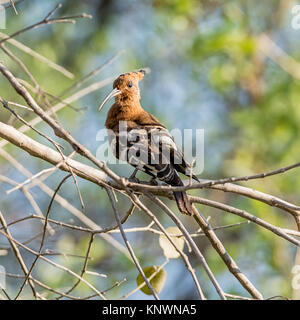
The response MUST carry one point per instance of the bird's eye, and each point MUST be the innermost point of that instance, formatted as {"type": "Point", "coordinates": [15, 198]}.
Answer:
{"type": "Point", "coordinates": [129, 85]}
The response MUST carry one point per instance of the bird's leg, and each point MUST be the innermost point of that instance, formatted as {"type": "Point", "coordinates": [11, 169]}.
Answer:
{"type": "Point", "coordinates": [132, 178]}
{"type": "Point", "coordinates": [133, 173]}
{"type": "Point", "coordinates": [153, 181]}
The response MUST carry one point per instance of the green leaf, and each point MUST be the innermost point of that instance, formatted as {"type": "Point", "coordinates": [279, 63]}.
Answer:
{"type": "Point", "coordinates": [169, 251]}
{"type": "Point", "coordinates": [157, 282]}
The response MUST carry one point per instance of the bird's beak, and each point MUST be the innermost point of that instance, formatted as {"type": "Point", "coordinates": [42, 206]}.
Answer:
{"type": "Point", "coordinates": [113, 93]}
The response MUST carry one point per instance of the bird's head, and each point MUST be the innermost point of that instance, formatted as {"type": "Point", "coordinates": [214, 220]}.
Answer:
{"type": "Point", "coordinates": [126, 87]}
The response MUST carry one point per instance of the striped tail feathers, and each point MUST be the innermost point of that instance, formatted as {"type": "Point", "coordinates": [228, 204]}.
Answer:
{"type": "Point", "coordinates": [183, 203]}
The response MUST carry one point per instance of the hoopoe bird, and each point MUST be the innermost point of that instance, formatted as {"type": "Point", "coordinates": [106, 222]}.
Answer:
{"type": "Point", "coordinates": [139, 138]}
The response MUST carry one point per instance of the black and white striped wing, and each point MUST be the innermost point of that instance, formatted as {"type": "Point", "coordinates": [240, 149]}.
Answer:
{"type": "Point", "coordinates": [150, 149]}
{"type": "Point", "coordinates": [170, 151]}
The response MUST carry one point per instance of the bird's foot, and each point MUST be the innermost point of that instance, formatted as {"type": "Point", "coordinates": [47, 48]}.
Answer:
{"type": "Point", "coordinates": [153, 182]}
{"type": "Point", "coordinates": [133, 179]}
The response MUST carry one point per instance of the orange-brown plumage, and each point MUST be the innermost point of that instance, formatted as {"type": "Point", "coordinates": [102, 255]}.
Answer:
{"type": "Point", "coordinates": [133, 114]}
{"type": "Point", "coordinates": [127, 106]}
{"type": "Point", "coordinates": [127, 109]}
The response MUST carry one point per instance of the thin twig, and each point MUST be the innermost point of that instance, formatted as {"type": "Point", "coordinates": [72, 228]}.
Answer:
{"type": "Point", "coordinates": [16, 252]}
{"type": "Point", "coordinates": [43, 235]}
{"type": "Point", "coordinates": [191, 243]}
{"type": "Point", "coordinates": [133, 256]}
{"type": "Point", "coordinates": [220, 249]}
{"type": "Point", "coordinates": [47, 20]}
{"type": "Point", "coordinates": [246, 215]}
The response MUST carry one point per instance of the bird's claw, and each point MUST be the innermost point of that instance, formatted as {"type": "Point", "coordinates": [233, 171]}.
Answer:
{"type": "Point", "coordinates": [153, 182]}
{"type": "Point", "coordinates": [133, 179]}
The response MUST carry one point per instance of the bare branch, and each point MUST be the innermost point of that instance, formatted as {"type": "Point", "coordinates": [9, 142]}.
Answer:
{"type": "Point", "coordinates": [47, 20]}
{"type": "Point", "coordinates": [133, 256]}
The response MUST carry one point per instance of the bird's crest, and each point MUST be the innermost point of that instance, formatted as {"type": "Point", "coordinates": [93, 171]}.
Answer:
{"type": "Point", "coordinates": [129, 76]}
{"type": "Point", "coordinates": [126, 86]}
